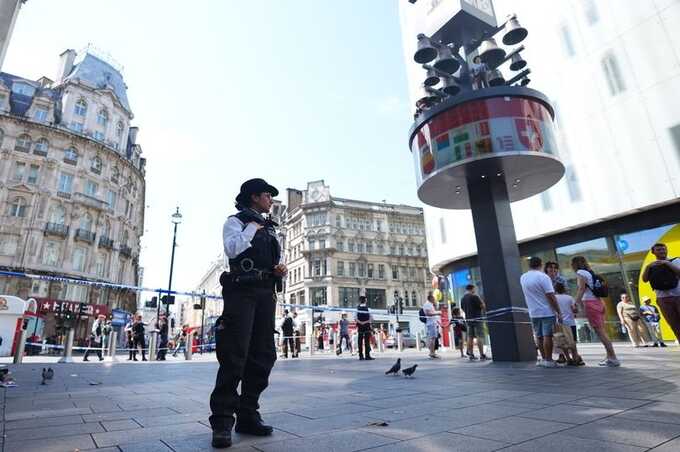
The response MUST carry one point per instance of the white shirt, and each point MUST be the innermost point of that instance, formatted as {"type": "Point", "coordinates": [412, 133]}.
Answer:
{"type": "Point", "coordinates": [535, 285]}
{"type": "Point", "coordinates": [588, 294]}
{"type": "Point", "coordinates": [428, 308]}
{"type": "Point", "coordinates": [673, 292]}
{"type": "Point", "coordinates": [566, 303]}
{"type": "Point", "coordinates": [236, 239]}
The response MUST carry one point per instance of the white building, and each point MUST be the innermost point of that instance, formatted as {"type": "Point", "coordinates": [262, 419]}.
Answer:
{"type": "Point", "coordinates": [612, 71]}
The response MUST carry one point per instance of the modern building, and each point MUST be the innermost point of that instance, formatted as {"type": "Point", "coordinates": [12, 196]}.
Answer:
{"type": "Point", "coordinates": [72, 186]}
{"type": "Point", "coordinates": [337, 249]}
{"type": "Point", "coordinates": [9, 10]}
{"type": "Point", "coordinates": [611, 70]}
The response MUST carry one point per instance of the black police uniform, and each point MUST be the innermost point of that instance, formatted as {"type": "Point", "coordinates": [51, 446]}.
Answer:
{"type": "Point", "coordinates": [364, 345]}
{"type": "Point", "coordinates": [245, 331]}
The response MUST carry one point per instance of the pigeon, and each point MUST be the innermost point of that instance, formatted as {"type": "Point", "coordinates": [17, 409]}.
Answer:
{"type": "Point", "coordinates": [409, 371]}
{"type": "Point", "coordinates": [47, 374]}
{"type": "Point", "coordinates": [395, 369]}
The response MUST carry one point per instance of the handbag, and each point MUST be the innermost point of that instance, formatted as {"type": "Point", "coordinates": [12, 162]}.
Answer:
{"type": "Point", "coordinates": [563, 338]}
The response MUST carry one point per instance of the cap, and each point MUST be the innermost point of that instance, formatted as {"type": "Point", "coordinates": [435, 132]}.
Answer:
{"type": "Point", "coordinates": [643, 299]}
{"type": "Point", "coordinates": [253, 187]}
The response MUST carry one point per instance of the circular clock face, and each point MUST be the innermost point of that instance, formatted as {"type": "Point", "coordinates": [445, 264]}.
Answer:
{"type": "Point", "coordinates": [316, 194]}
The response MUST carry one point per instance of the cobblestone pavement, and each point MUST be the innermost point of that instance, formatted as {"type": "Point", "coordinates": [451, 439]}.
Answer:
{"type": "Point", "coordinates": [343, 404]}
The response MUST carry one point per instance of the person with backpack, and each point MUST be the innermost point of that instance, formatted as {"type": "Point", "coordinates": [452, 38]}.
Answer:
{"type": "Point", "coordinates": [663, 275]}
{"type": "Point", "coordinates": [651, 316]}
{"type": "Point", "coordinates": [96, 338]}
{"type": "Point", "coordinates": [591, 288]}
{"type": "Point", "coordinates": [473, 307]}
{"type": "Point", "coordinates": [287, 328]}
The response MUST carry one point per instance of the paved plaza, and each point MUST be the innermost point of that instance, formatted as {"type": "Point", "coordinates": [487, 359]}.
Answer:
{"type": "Point", "coordinates": [323, 403]}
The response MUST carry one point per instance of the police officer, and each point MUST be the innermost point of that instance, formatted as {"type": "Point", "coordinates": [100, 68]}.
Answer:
{"type": "Point", "coordinates": [364, 327]}
{"type": "Point", "coordinates": [245, 331]}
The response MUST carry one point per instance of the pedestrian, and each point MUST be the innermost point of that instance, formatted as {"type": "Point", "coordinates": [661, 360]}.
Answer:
{"type": "Point", "coordinates": [568, 309]}
{"type": "Point", "coordinates": [364, 328]}
{"type": "Point", "coordinates": [593, 306]}
{"type": "Point", "coordinates": [287, 329]}
{"type": "Point", "coordinates": [138, 336]}
{"type": "Point", "coordinates": [319, 336]}
{"type": "Point", "coordinates": [181, 339]}
{"type": "Point", "coordinates": [458, 322]}
{"type": "Point", "coordinates": [343, 328]}
{"type": "Point", "coordinates": [245, 331]}
{"type": "Point", "coordinates": [552, 269]}
{"type": "Point", "coordinates": [162, 327]}
{"type": "Point", "coordinates": [473, 307]}
{"type": "Point", "coordinates": [431, 325]}
{"type": "Point", "coordinates": [96, 337]}
{"type": "Point", "coordinates": [663, 274]}
{"type": "Point", "coordinates": [132, 352]}
{"type": "Point", "coordinates": [296, 334]}
{"type": "Point", "coordinates": [651, 316]}
{"type": "Point", "coordinates": [630, 318]}
{"type": "Point", "coordinates": [544, 310]}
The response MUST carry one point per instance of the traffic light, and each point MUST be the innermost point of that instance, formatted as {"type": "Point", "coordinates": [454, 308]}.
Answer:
{"type": "Point", "coordinates": [82, 310]}
{"type": "Point", "coordinates": [151, 304]}
{"type": "Point", "coordinates": [172, 323]}
{"type": "Point", "coordinates": [168, 299]}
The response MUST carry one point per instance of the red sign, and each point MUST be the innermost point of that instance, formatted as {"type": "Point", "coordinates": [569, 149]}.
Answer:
{"type": "Point", "coordinates": [91, 310]}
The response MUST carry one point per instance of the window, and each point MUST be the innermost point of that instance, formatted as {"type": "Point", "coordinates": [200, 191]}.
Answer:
{"type": "Point", "coordinates": [99, 136]}
{"type": "Point", "coordinates": [86, 222]}
{"type": "Point", "coordinates": [23, 89]}
{"type": "Point", "coordinates": [612, 73]}
{"type": "Point", "coordinates": [77, 126]}
{"type": "Point", "coordinates": [362, 269]}
{"type": "Point", "coordinates": [350, 245]}
{"type": "Point", "coordinates": [111, 198]}
{"type": "Point", "coordinates": [406, 301]}
{"type": "Point", "coordinates": [51, 253]}
{"type": "Point", "coordinates": [340, 245]}
{"type": "Point", "coordinates": [361, 246]}
{"type": "Point", "coordinates": [100, 265]}
{"type": "Point", "coordinates": [58, 215]}
{"type": "Point", "coordinates": [71, 155]}
{"type": "Point", "coordinates": [412, 273]}
{"type": "Point", "coordinates": [40, 114]}
{"type": "Point", "coordinates": [80, 108]}
{"type": "Point", "coordinates": [19, 171]}
{"type": "Point", "coordinates": [369, 248]}
{"type": "Point", "coordinates": [96, 164]}
{"type": "Point", "coordinates": [115, 174]}
{"type": "Point", "coordinates": [352, 269]}
{"type": "Point", "coordinates": [590, 11]}
{"type": "Point", "coordinates": [322, 244]}
{"type": "Point", "coordinates": [393, 250]}
{"type": "Point", "coordinates": [442, 229]}
{"type": "Point", "coordinates": [317, 267]}
{"type": "Point", "coordinates": [103, 117]}
{"type": "Point", "coordinates": [395, 273]}
{"type": "Point", "coordinates": [414, 299]}
{"type": "Point", "coordinates": [65, 183]}
{"type": "Point", "coordinates": [312, 245]}
{"type": "Point", "coordinates": [79, 258]}
{"type": "Point", "coordinates": [381, 249]}
{"type": "Point", "coordinates": [338, 221]}
{"type": "Point", "coordinates": [370, 271]}
{"type": "Point", "coordinates": [33, 173]}
{"type": "Point", "coordinates": [567, 43]}
{"type": "Point", "coordinates": [341, 268]}
{"type": "Point", "coordinates": [401, 250]}
{"type": "Point", "coordinates": [404, 273]}
{"type": "Point", "coordinates": [17, 208]}
{"type": "Point", "coordinates": [106, 229]}
{"type": "Point", "coordinates": [381, 271]}
{"type": "Point", "coordinates": [317, 295]}
{"type": "Point", "coordinates": [349, 296]}
{"type": "Point", "coordinates": [41, 146]}
{"type": "Point", "coordinates": [8, 244]}
{"type": "Point", "coordinates": [376, 298]}
{"type": "Point", "coordinates": [23, 143]}
{"type": "Point", "coordinates": [379, 226]}
{"type": "Point", "coordinates": [119, 130]}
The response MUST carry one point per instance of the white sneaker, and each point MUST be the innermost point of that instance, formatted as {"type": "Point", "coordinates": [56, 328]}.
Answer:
{"type": "Point", "coordinates": [609, 363]}
{"type": "Point", "coordinates": [549, 364]}
{"type": "Point", "coordinates": [539, 363]}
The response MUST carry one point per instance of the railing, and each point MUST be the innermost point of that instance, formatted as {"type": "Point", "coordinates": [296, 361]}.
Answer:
{"type": "Point", "coordinates": [56, 229]}
{"type": "Point", "coordinates": [90, 201]}
{"type": "Point", "coordinates": [84, 235]}
{"type": "Point", "coordinates": [125, 251]}
{"type": "Point", "coordinates": [105, 242]}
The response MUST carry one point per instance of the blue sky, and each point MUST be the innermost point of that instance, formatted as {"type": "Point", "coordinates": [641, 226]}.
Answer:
{"type": "Point", "coordinates": [225, 90]}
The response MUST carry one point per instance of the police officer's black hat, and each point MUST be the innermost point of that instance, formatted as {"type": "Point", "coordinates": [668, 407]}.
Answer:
{"type": "Point", "coordinates": [254, 187]}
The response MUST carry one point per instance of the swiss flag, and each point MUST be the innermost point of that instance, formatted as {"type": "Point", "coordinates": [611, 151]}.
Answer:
{"type": "Point", "coordinates": [529, 133]}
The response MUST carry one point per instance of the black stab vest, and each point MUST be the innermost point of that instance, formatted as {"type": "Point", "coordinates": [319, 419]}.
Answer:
{"type": "Point", "coordinates": [264, 251]}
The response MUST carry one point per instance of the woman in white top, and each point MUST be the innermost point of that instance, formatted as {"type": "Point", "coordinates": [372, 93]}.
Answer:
{"type": "Point", "coordinates": [593, 306]}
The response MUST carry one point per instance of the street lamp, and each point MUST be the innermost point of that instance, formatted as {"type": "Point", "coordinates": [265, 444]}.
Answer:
{"type": "Point", "coordinates": [176, 219]}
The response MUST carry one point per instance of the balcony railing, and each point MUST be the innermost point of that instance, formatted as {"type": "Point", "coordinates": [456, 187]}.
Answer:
{"type": "Point", "coordinates": [90, 201]}
{"type": "Point", "coordinates": [56, 229]}
{"type": "Point", "coordinates": [84, 235]}
{"type": "Point", "coordinates": [126, 251]}
{"type": "Point", "coordinates": [105, 242]}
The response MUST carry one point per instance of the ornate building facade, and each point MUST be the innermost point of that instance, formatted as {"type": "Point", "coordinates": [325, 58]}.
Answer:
{"type": "Point", "coordinates": [72, 184]}
{"type": "Point", "coordinates": [337, 249]}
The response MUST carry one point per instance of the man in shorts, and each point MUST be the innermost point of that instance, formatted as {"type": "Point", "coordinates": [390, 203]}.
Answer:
{"type": "Point", "coordinates": [474, 309]}
{"type": "Point", "coordinates": [431, 325]}
{"type": "Point", "coordinates": [668, 299]}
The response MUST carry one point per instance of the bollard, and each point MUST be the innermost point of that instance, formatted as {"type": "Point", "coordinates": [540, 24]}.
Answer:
{"type": "Point", "coordinates": [452, 342]}
{"type": "Point", "coordinates": [111, 356]}
{"type": "Point", "coordinates": [418, 347]}
{"type": "Point", "coordinates": [400, 345]}
{"type": "Point", "coordinates": [309, 336]}
{"type": "Point", "coordinates": [379, 341]}
{"type": "Point", "coordinates": [21, 346]}
{"type": "Point", "coordinates": [68, 349]}
{"type": "Point", "coordinates": [153, 345]}
{"type": "Point", "coordinates": [188, 347]}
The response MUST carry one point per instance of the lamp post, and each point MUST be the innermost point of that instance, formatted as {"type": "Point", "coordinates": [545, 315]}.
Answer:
{"type": "Point", "coordinates": [176, 219]}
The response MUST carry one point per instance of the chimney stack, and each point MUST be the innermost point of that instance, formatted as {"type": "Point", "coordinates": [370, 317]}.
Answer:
{"type": "Point", "coordinates": [66, 60]}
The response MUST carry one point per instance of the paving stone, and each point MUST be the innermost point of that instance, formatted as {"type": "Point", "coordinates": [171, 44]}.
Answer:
{"type": "Point", "coordinates": [148, 434]}
{"type": "Point", "coordinates": [565, 443]}
{"type": "Point", "coordinates": [609, 402]}
{"type": "Point", "coordinates": [44, 422]}
{"type": "Point", "coordinates": [120, 415]}
{"type": "Point", "coordinates": [670, 446]}
{"type": "Point", "coordinates": [152, 420]}
{"type": "Point", "coordinates": [63, 444]}
{"type": "Point", "coordinates": [145, 446]}
{"type": "Point", "coordinates": [125, 424]}
{"type": "Point", "coordinates": [442, 442]}
{"type": "Point", "coordinates": [656, 411]}
{"type": "Point", "coordinates": [628, 431]}
{"type": "Point", "coordinates": [348, 440]}
{"type": "Point", "coordinates": [512, 429]}
{"type": "Point", "coordinates": [50, 413]}
{"type": "Point", "coordinates": [39, 432]}
{"type": "Point", "coordinates": [573, 414]}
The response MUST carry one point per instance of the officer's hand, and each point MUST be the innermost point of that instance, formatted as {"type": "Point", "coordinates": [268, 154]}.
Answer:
{"type": "Point", "coordinates": [280, 270]}
{"type": "Point", "coordinates": [258, 226]}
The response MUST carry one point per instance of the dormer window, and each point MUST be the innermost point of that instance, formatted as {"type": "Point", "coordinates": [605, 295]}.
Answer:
{"type": "Point", "coordinates": [41, 114]}
{"type": "Point", "coordinates": [23, 89]}
{"type": "Point", "coordinates": [103, 117]}
{"type": "Point", "coordinates": [80, 108]}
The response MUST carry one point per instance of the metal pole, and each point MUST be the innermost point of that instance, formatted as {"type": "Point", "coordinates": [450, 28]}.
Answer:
{"type": "Point", "coordinates": [172, 264]}
{"type": "Point", "coordinates": [399, 344]}
{"type": "Point", "coordinates": [153, 345]}
{"type": "Point", "coordinates": [201, 342]}
{"type": "Point", "coordinates": [113, 338]}
{"type": "Point", "coordinates": [418, 341]}
{"type": "Point", "coordinates": [188, 346]}
{"type": "Point", "coordinates": [21, 346]}
{"type": "Point", "coordinates": [68, 348]}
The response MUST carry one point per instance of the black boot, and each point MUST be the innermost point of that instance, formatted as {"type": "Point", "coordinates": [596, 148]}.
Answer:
{"type": "Point", "coordinates": [252, 424]}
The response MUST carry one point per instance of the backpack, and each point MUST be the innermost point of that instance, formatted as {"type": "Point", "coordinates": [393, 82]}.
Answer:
{"type": "Point", "coordinates": [422, 316]}
{"type": "Point", "coordinates": [600, 287]}
{"type": "Point", "coordinates": [662, 278]}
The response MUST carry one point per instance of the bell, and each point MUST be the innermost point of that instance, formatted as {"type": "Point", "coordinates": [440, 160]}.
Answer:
{"type": "Point", "coordinates": [426, 99]}
{"type": "Point", "coordinates": [445, 61]}
{"type": "Point", "coordinates": [517, 62]}
{"type": "Point", "coordinates": [431, 78]}
{"type": "Point", "coordinates": [450, 86]}
{"type": "Point", "coordinates": [490, 53]}
{"type": "Point", "coordinates": [525, 81]}
{"type": "Point", "coordinates": [495, 78]}
{"type": "Point", "coordinates": [426, 52]}
{"type": "Point", "coordinates": [515, 34]}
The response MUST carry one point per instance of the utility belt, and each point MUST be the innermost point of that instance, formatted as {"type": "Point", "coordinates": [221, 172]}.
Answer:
{"type": "Point", "coordinates": [251, 279]}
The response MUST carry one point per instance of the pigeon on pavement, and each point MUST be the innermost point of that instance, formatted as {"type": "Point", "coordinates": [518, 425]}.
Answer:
{"type": "Point", "coordinates": [47, 374]}
{"type": "Point", "coordinates": [409, 371]}
{"type": "Point", "coordinates": [395, 369]}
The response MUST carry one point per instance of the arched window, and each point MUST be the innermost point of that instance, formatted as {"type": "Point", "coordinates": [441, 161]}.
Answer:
{"type": "Point", "coordinates": [80, 108]}
{"type": "Point", "coordinates": [103, 117]}
{"type": "Point", "coordinates": [86, 222]}
{"type": "Point", "coordinates": [120, 127]}
{"type": "Point", "coordinates": [125, 238]}
{"type": "Point", "coordinates": [96, 164]}
{"type": "Point", "coordinates": [71, 155]}
{"type": "Point", "coordinates": [406, 298]}
{"type": "Point", "coordinates": [115, 174]}
{"type": "Point", "coordinates": [17, 208]}
{"type": "Point", "coordinates": [41, 146]}
{"type": "Point", "coordinates": [23, 143]}
{"type": "Point", "coordinates": [414, 299]}
{"type": "Point", "coordinates": [58, 215]}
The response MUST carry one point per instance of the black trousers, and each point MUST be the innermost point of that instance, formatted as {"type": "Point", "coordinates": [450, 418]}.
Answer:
{"type": "Point", "coordinates": [246, 353]}
{"type": "Point", "coordinates": [348, 342]}
{"type": "Point", "coordinates": [140, 342]}
{"type": "Point", "coordinates": [162, 348]}
{"type": "Point", "coordinates": [289, 342]}
{"type": "Point", "coordinates": [365, 340]}
{"type": "Point", "coordinates": [97, 348]}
